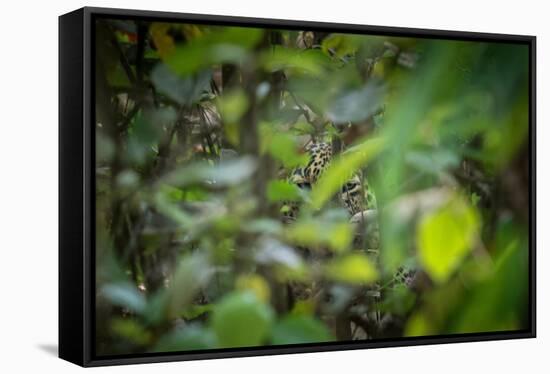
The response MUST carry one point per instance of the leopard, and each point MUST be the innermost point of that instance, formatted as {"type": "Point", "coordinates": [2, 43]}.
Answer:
{"type": "Point", "coordinates": [355, 194]}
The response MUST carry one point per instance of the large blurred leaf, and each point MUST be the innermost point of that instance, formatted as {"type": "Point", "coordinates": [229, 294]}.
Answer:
{"type": "Point", "coordinates": [433, 161]}
{"type": "Point", "coordinates": [256, 284]}
{"type": "Point", "coordinates": [337, 235]}
{"type": "Point", "coordinates": [225, 173]}
{"type": "Point", "coordinates": [131, 330]}
{"type": "Point", "coordinates": [273, 252]}
{"type": "Point", "coordinates": [357, 105]}
{"type": "Point", "coordinates": [184, 91]}
{"type": "Point", "coordinates": [232, 105]}
{"type": "Point", "coordinates": [284, 148]}
{"type": "Point", "coordinates": [192, 273]}
{"type": "Point", "coordinates": [279, 190]}
{"type": "Point", "coordinates": [309, 61]}
{"type": "Point", "coordinates": [241, 320]}
{"type": "Point", "coordinates": [124, 295]}
{"type": "Point", "coordinates": [228, 44]}
{"type": "Point", "coordinates": [298, 329]}
{"type": "Point", "coordinates": [341, 45]}
{"type": "Point", "coordinates": [499, 302]}
{"type": "Point", "coordinates": [353, 268]}
{"type": "Point", "coordinates": [190, 337]}
{"type": "Point", "coordinates": [444, 238]}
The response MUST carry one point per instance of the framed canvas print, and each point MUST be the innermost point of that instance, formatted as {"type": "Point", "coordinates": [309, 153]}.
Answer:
{"type": "Point", "coordinates": [237, 186]}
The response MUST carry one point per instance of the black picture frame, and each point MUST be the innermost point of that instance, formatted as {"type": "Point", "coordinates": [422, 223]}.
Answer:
{"type": "Point", "coordinates": [76, 186]}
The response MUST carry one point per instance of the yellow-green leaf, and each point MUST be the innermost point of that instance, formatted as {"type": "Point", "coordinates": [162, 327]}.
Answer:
{"type": "Point", "coordinates": [444, 238]}
{"type": "Point", "coordinates": [255, 284]}
{"type": "Point", "coordinates": [337, 236]}
{"type": "Point", "coordinates": [241, 320]}
{"type": "Point", "coordinates": [353, 268]}
{"type": "Point", "coordinates": [232, 105]}
{"type": "Point", "coordinates": [279, 190]}
{"type": "Point", "coordinates": [284, 148]}
{"type": "Point", "coordinates": [418, 325]}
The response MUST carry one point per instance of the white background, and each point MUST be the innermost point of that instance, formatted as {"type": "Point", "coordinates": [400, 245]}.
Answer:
{"type": "Point", "coordinates": [28, 184]}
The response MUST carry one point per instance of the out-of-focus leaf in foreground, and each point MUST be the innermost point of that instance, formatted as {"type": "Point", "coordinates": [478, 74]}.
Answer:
{"type": "Point", "coordinates": [353, 268]}
{"type": "Point", "coordinates": [357, 105]}
{"type": "Point", "coordinates": [184, 91]}
{"type": "Point", "coordinates": [225, 173]}
{"type": "Point", "coordinates": [444, 237]}
{"type": "Point", "coordinates": [300, 329]}
{"type": "Point", "coordinates": [241, 320]}
{"type": "Point", "coordinates": [125, 295]}
{"type": "Point", "coordinates": [186, 338]}
{"type": "Point", "coordinates": [229, 44]}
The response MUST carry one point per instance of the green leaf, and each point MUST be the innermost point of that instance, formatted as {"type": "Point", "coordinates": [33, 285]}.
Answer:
{"type": "Point", "coordinates": [241, 320]}
{"type": "Point", "coordinates": [357, 105]}
{"type": "Point", "coordinates": [225, 45]}
{"type": "Point", "coordinates": [192, 273]}
{"type": "Point", "coordinates": [341, 169]}
{"type": "Point", "coordinates": [444, 238]}
{"type": "Point", "coordinates": [283, 147]}
{"type": "Point", "coordinates": [232, 105]}
{"type": "Point", "coordinates": [125, 295]}
{"type": "Point", "coordinates": [298, 329]}
{"type": "Point", "coordinates": [432, 161]}
{"type": "Point", "coordinates": [184, 91]}
{"type": "Point", "coordinates": [317, 233]}
{"type": "Point", "coordinates": [354, 268]}
{"type": "Point", "coordinates": [279, 190]}
{"type": "Point", "coordinates": [308, 61]}
{"type": "Point", "coordinates": [193, 311]}
{"type": "Point", "coordinates": [341, 45]}
{"type": "Point", "coordinates": [418, 325]}
{"type": "Point", "coordinates": [189, 337]}
{"type": "Point", "coordinates": [227, 173]}
{"type": "Point", "coordinates": [131, 330]}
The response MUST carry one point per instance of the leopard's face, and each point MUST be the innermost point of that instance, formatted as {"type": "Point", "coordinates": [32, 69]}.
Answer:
{"type": "Point", "coordinates": [352, 195]}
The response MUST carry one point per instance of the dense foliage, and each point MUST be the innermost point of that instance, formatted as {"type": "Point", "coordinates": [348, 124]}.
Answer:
{"type": "Point", "coordinates": [198, 130]}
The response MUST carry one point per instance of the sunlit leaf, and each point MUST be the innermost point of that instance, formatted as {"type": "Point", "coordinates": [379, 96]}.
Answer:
{"type": "Point", "coordinates": [232, 105]}
{"type": "Point", "coordinates": [354, 268]}
{"type": "Point", "coordinates": [284, 148]}
{"type": "Point", "coordinates": [241, 320]}
{"type": "Point", "coordinates": [318, 233]}
{"type": "Point", "coordinates": [444, 238]}
{"type": "Point", "coordinates": [418, 325]}
{"type": "Point", "coordinates": [256, 284]}
{"type": "Point", "coordinates": [279, 190]}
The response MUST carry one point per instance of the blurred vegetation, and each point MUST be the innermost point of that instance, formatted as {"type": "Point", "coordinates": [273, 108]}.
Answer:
{"type": "Point", "coordinates": [197, 131]}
